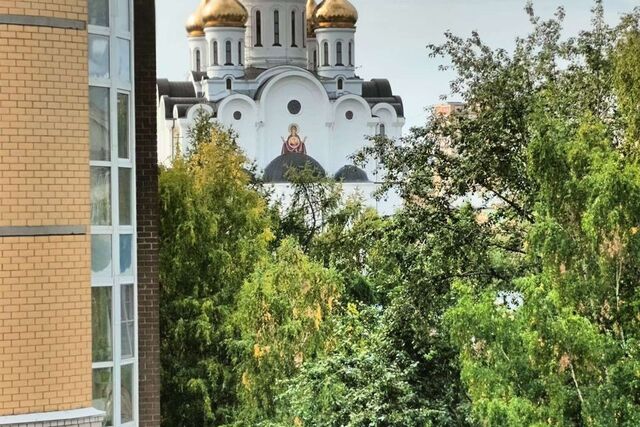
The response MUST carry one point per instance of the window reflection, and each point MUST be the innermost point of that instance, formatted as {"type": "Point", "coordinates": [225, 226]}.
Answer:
{"type": "Point", "coordinates": [101, 321]}
{"type": "Point", "coordinates": [99, 12]}
{"type": "Point", "coordinates": [124, 60]}
{"type": "Point", "coordinates": [101, 255]}
{"type": "Point", "coordinates": [98, 56]}
{"type": "Point", "coordinates": [100, 195]}
{"type": "Point", "coordinates": [126, 254]}
{"type": "Point", "coordinates": [99, 123]}
{"type": "Point", "coordinates": [127, 329]}
{"type": "Point", "coordinates": [103, 393]}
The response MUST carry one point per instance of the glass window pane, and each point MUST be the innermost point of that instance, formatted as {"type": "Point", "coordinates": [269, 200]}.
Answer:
{"type": "Point", "coordinates": [127, 329]}
{"type": "Point", "coordinates": [100, 195]}
{"type": "Point", "coordinates": [101, 255]}
{"type": "Point", "coordinates": [101, 317]}
{"type": "Point", "coordinates": [124, 179]}
{"type": "Point", "coordinates": [126, 254]}
{"type": "Point", "coordinates": [98, 56]}
{"type": "Point", "coordinates": [123, 15]}
{"type": "Point", "coordinates": [123, 125]}
{"type": "Point", "coordinates": [99, 12]}
{"type": "Point", "coordinates": [99, 123]}
{"type": "Point", "coordinates": [124, 60]}
{"type": "Point", "coordinates": [126, 399]}
{"type": "Point", "coordinates": [103, 393]}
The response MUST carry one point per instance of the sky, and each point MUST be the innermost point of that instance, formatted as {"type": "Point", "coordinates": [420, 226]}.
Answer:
{"type": "Point", "coordinates": [392, 36]}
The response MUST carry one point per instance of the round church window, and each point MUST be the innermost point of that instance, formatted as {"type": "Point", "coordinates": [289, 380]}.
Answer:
{"type": "Point", "coordinates": [349, 115]}
{"type": "Point", "coordinates": [237, 115]}
{"type": "Point", "coordinates": [294, 107]}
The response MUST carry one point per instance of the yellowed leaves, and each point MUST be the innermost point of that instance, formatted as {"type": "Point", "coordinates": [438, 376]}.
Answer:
{"type": "Point", "coordinates": [564, 363]}
{"type": "Point", "coordinates": [246, 381]}
{"type": "Point", "coordinates": [260, 351]}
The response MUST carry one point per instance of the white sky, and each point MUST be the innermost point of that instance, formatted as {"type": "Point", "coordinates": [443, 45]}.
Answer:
{"type": "Point", "coordinates": [392, 36]}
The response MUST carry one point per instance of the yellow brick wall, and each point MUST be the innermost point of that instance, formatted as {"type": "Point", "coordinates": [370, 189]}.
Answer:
{"type": "Point", "coordinates": [44, 126]}
{"type": "Point", "coordinates": [45, 294]}
{"type": "Point", "coordinates": [67, 9]}
{"type": "Point", "coordinates": [45, 330]}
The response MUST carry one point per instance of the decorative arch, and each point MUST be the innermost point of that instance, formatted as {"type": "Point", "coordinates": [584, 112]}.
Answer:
{"type": "Point", "coordinates": [238, 97]}
{"type": "Point", "coordinates": [193, 112]}
{"type": "Point", "coordinates": [350, 98]}
{"type": "Point", "coordinates": [387, 108]}
{"type": "Point", "coordinates": [269, 83]}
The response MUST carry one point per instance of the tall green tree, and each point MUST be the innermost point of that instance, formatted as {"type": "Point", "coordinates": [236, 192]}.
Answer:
{"type": "Point", "coordinates": [214, 229]}
{"type": "Point", "coordinates": [472, 201]}
{"type": "Point", "coordinates": [284, 317]}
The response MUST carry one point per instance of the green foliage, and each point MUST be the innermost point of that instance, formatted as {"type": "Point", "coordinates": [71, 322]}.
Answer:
{"type": "Point", "coordinates": [569, 354]}
{"type": "Point", "coordinates": [627, 83]}
{"type": "Point", "coordinates": [214, 228]}
{"type": "Point", "coordinates": [363, 380]}
{"type": "Point", "coordinates": [484, 192]}
{"type": "Point", "coordinates": [504, 293]}
{"type": "Point", "coordinates": [284, 315]}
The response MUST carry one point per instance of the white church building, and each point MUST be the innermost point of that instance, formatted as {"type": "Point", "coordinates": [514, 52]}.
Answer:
{"type": "Point", "coordinates": [282, 74]}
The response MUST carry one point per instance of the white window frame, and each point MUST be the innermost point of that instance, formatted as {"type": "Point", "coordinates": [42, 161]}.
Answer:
{"type": "Point", "coordinates": [116, 281]}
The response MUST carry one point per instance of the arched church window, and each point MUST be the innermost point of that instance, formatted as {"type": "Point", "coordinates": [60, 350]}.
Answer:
{"type": "Point", "coordinates": [350, 54]}
{"type": "Point", "coordinates": [229, 84]}
{"type": "Point", "coordinates": [215, 53]}
{"type": "Point", "coordinates": [227, 53]}
{"type": "Point", "coordinates": [258, 29]}
{"type": "Point", "coordinates": [240, 59]}
{"type": "Point", "coordinates": [339, 54]}
{"type": "Point", "coordinates": [382, 130]}
{"type": "Point", "coordinates": [198, 60]}
{"type": "Point", "coordinates": [293, 29]}
{"type": "Point", "coordinates": [325, 60]}
{"type": "Point", "coordinates": [340, 84]}
{"type": "Point", "coordinates": [276, 28]}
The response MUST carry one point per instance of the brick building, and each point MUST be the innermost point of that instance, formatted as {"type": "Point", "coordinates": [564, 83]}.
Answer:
{"type": "Point", "coordinates": [78, 214]}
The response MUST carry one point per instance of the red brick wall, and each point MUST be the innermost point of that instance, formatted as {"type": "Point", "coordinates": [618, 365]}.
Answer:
{"type": "Point", "coordinates": [148, 208]}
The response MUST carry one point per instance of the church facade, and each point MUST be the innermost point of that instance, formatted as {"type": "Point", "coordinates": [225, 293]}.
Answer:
{"type": "Point", "coordinates": [282, 75]}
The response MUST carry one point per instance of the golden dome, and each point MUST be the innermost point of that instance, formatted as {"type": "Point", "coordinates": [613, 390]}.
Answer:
{"type": "Point", "coordinates": [311, 18]}
{"type": "Point", "coordinates": [336, 14]}
{"type": "Point", "coordinates": [224, 13]}
{"type": "Point", "coordinates": [195, 24]}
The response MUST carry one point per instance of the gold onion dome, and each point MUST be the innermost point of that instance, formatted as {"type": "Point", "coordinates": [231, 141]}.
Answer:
{"type": "Point", "coordinates": [195, 23]}
{"type": "Point", "coordinates": [224, 13]}
{"type": "Point", "coordinates": [336, 14]}
{"type": "Point", "coordinates": [311, 18]}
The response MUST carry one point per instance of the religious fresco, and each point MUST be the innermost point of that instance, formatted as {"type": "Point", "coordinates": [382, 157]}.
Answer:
{"type": "Point", "coordinates": [294, 143]}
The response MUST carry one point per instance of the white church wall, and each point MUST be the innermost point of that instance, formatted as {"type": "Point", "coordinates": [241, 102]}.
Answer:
{"type": "Point", "coordinates": [222, 66]}
{"type": "Point", "coordinates": [276, 119]}
{"type": "Point", "coordinates": [269, 55]}
{"type": "Point", "coordinates": [332, 36]}
{"type": "Point", "coordinates": [198, 44]}
{"type": "Point", "coordinates": [240, 113]}
{"type": "Point", "coordinates": [350, 135]}
{"type": "Point", "coordinates": [388, 204]}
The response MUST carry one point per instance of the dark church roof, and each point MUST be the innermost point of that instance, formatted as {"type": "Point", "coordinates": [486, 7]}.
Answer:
{"type": "Point", "coordinates": [280, 166]}
{"type": "Point", "coordinates": [378, 91]}
{"type": "Point", "coordinates": [175, 89]}
{"type": "Point", "coordinates": [350, 173]}
{"type": "Point", "coordinates": [172, 93]}
{"type": "Point", "coordinates": [183, 105]}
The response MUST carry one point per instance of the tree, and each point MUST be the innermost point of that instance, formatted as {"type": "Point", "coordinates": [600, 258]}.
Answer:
{"type": "Point", "coordinates": [570, 354]}
{"type": "Point", "coordinates": [465, 238]}
{"type": "Point", "coordinates": [283, 318]}
{"type": "Point", "coordinates": [362, 380]}
{"type": "Point", "coordinates": [214, 228]}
